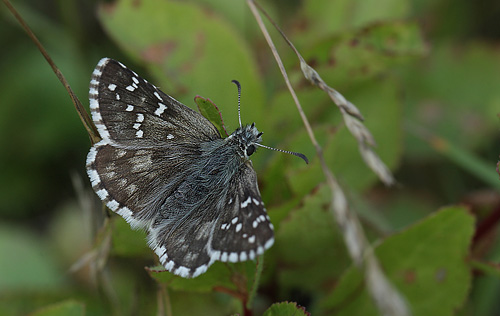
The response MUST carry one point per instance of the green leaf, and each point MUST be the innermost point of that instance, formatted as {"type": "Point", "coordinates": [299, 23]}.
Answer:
{"type": "Point", "coordinates": [455, 96]}
{"type": "Point", "coordinates": [212, 113]}
{"type": "Point", "coordinates": [427, 263]}
{"type": "Point", "coordinates": [310, 251]}
{"type": "Point", "coordinates": [218, 275]}
{"type": "Point", "coordinates": [363, 54]}
{"type": "Point", "coordinates": [66, 308]}
{"type": "Point", "coordinates": [286, 309]}
{"type": "Point", "coordinates": [28, 263]}
{"type": "Point", "coordinates": [330, 17]}
{"type": "Point", "coordinates": [128, 242]}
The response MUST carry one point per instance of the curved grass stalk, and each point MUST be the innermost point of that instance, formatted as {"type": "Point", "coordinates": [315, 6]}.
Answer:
{"type": "Point", "coordinates": [388, 300]}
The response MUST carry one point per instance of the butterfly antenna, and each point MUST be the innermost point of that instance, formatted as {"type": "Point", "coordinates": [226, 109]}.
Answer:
{"type": "Point", "coordinates": [286, 152]}
{"type": "Point", "coordinates": [276, 149]}
{"type": "Point", "coordinates": [239, 98]}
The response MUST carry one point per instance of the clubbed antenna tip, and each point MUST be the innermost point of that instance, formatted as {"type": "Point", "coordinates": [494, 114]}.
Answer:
{"type": "Point", "coordinates": [286, 152]}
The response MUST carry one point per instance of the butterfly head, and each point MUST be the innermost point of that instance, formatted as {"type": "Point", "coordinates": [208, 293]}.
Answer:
{"type": "Point", "coordinates": [247, 138]}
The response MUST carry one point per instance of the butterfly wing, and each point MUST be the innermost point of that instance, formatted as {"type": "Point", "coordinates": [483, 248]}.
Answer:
{"type": "Point", "coordinates": [236, 229]}
{"type": "Point", "coordinates": [144, 146]}
{"type": "Point", "coordinates": [129, 111]}
{"type": "Point", "coordinates": [165, 168]}
{"type": "Point", "coordinates": [244, 231]}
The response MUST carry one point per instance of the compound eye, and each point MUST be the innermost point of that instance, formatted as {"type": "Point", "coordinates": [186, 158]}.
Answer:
{"type": "Point", "coordinates": [250, 150]}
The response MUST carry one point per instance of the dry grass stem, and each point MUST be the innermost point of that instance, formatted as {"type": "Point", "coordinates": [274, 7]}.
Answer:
{"type": "Point", "coordinates": [388, 300]}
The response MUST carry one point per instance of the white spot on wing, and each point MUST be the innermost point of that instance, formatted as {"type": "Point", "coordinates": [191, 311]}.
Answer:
{"type": "Point", "coordinates": [120, 153]}
{"type": "Point", "coordinates": [112, 87]}
{"type": "Point", "coordinates": [246, 202]}
{"type": "Point", "coordinates": [269, 243]}
{"type": "Point", "coordinates": [182, 271]}
{"type": "Point", "coordinates": [158, 96]}
{"type": "Point", "coordinates": [139, 134]}
{"type": "Point", "coordinates": [113, 205]}
{"type": "Point", "coordinates": [124, 212]}
{"type": "Point", "coordinates": [233, 257]}
{"type": "Point", "coordinates": [160, 251]}
{"type": "Point", "coordinates": [169, 266]}
{"type": "Point", "coordinates": [129, 108]}
{"type": "Point", "coordinates": [162, 107]}
{"type": "Point", "coordinates": [103, 194]}
{"type": "Point", "coordinates": [94, 177]}
{"type": "Point", "coordinates": [96, 117]}
{"type": "Point", "coordinates": [200, 270]}
{"type": "Point", "coordinates": [238, 227]}
{"type": "Point", "coordinates": [91, 155]}
{"type": "Point", "coordinates": [102, 62]}
{"type": "Point", "coordinates": [215, 256]}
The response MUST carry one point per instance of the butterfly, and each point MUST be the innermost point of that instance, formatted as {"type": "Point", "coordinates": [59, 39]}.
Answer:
{"type": "Point", "coordinates": [166, 169]}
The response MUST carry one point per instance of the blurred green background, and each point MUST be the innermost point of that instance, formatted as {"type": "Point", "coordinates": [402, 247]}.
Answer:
{"type": "Point", "coordinates": [424, 73]}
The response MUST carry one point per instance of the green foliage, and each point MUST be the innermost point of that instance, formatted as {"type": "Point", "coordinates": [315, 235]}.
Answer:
{"type": "Point", "coordinates": [285, 309]}
{"type": "Point", "coordinates": [209, 110]}
{"type": "Point", "coordinates": [424, 78]}
{"type": "Point", "coordinates": [302, 265]}
{"type": "Point", "coordinates": [217, 276]}
{"type": "Point", "coordinates": [67, 308]}
{"type": "Point", "coordinates": [128, 242]}
{"type": "Point", "coordinates": [364, 53]}
{"type": "Point", "coordinates": [26, 263]}
{"type": "Point", "coordinates": [429, 257]}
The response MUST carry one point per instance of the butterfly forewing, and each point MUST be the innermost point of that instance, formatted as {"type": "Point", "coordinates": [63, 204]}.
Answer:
{"type": "Point", "coordinates": [165, 168]}
{"type": "Point", "coordinates": [130, 111]}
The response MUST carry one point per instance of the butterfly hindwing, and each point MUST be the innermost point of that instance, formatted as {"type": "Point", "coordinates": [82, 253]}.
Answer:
{"type": "Point", "coordinates": [244, 229]}
{"type": "Point", "coordinates": [236, 230]}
